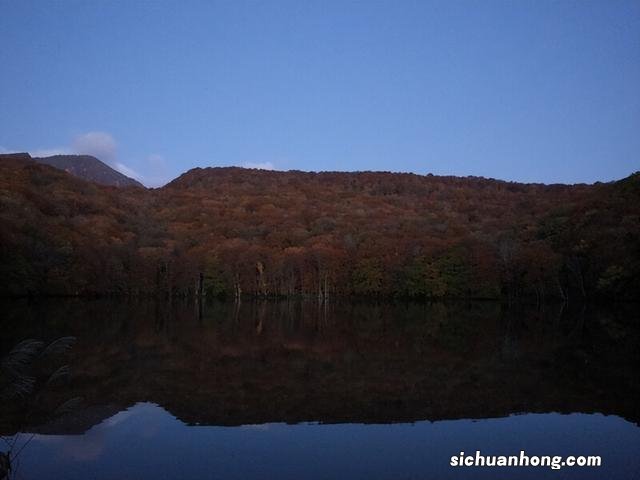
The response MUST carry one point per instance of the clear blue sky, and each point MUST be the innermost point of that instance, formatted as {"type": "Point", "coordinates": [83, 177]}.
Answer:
{"type": "Point", "coordinates": [529, 90]}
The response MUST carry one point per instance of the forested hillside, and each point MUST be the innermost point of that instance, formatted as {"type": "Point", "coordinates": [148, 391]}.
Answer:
{"type": "Point", "coordinates": [232, 231]}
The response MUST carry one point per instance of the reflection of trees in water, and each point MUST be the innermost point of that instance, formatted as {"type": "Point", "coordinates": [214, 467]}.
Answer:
{"type": "Point", "coordinates": [250, 362]}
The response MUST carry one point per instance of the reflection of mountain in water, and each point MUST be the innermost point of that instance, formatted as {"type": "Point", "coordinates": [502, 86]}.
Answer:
{"type": "Point", "coordinates": [146, 442]}
{"type": "Point", "coordinates": [224, 364]}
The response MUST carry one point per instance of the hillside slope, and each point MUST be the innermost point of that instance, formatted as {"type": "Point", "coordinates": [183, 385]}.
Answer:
{"type": "Point", "coordinates": [89, 168]}
{"type": "Point", "coordinates": [232, 231]}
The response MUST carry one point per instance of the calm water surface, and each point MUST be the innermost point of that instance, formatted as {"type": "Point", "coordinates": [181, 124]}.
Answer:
{"type": "Point", "coordinates": [301, 390]}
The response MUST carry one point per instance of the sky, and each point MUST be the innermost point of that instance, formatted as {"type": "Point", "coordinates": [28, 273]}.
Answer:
{"type": "Point", "coordinates": [528, 90]}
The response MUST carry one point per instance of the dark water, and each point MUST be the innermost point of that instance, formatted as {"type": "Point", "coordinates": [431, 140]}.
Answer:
{"type": "Point", "coordinates": [301, 390]}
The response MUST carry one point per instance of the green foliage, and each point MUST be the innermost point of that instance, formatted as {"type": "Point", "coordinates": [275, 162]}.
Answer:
{"type": "Point", "coordinates": [215, 283]}
{"type": "Point", "coordinates": [368, 277]}
{"type": "Point", "coordinates": [445, 275]}
{"type": "Point", "coordinates": [454, 273]}
{"type": "Point", "coordinates": [422, 279]}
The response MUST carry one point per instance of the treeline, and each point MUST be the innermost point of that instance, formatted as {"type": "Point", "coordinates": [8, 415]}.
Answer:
{"type": "Point", "coordinates": [230, 232]}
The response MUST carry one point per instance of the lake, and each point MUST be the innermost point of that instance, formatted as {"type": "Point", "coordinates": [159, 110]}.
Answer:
{"type": "Point", "coordinates": [266, 389]}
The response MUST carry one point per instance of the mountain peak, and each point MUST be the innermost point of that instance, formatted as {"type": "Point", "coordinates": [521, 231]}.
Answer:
{"type": "Point", "coordinates": [89, 168]}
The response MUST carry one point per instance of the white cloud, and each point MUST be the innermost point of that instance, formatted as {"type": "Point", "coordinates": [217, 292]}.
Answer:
{"type": "Point", "coordinates": [129, 172]}
{"type": "Point", "coordinates": [104, 147]}
{"type": "Point", "coordinates": [260, 166]}
{"type": "Point", "coordinates": [99, 144]}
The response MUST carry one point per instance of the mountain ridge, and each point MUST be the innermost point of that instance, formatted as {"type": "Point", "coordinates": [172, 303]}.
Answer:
{"type": "Point", "coordinates": [86, 167]}
{"type": "Point", "coordinates": [233, 232]}
{"type": "Point", "coordinates": [221, 170]}
{"type": "Point", "coordinates": [77, 165]}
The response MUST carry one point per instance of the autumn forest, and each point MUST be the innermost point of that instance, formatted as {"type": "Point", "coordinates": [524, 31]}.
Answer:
{"type": "Point", "coordinates": [231, 232]}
